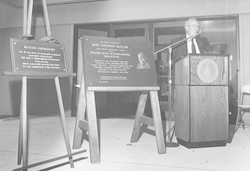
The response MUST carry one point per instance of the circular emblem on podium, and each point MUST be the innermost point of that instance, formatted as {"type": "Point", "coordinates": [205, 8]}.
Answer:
{"type": "Point", "coordinates": [207, 70]}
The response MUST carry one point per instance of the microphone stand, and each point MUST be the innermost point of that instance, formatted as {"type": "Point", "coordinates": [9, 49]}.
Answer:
{"type": "Point", "coordinates": [169, 142]}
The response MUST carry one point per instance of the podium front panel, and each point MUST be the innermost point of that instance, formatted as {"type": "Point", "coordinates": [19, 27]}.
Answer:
{"type": "Point", "coordinates": [208, 70]}
{"type": "Point", "coordinates": [202, 70]}
{"type": "Point", "coordinates": [208, 113]}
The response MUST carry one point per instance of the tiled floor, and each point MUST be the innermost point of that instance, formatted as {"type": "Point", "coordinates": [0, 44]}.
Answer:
{"type": "Point", "coordinates": [117, 153]}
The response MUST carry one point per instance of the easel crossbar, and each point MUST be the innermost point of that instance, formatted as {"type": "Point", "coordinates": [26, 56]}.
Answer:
{"type": "Point", "coordinates": [49, 161]}
{"type": "Point", "coordinates": [146, 120]}
{"type": "Point", "coordinates": [39, 74]}
{"type": "Point", "coordinates": [121, 88]}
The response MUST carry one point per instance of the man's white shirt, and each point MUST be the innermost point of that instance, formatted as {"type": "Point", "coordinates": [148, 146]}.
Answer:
{"type": "Point", "coordinates": [189, 46]}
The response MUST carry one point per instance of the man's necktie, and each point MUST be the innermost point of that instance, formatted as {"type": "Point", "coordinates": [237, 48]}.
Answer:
{"type": "Point", "coordinates": [193, 47]}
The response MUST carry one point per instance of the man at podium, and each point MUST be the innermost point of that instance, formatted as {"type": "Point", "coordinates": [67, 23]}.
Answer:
{"type": "Point", "coordinates": [194, 46]}
{"type": "Point", "coordinates": [200, 82]}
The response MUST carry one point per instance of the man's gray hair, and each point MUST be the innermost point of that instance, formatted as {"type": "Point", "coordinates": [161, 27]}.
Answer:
{"type": "Point", "coordinates": [191, 19]}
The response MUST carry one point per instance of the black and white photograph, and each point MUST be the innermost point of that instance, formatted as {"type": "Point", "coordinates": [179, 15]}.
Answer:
{"type": "Point", "coordinates": [124, 85]}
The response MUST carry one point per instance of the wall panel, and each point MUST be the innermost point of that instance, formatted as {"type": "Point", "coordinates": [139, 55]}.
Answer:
{"type": "Point", "coordinates": [120, 10]}
{"type": "Point", "coordinates": [9, 15]}
{"type": "Point", "coordinates": [244, 58]}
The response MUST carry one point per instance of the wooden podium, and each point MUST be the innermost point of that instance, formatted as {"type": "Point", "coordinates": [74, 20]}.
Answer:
{"type": "Point", "coordinates": [201, 100]}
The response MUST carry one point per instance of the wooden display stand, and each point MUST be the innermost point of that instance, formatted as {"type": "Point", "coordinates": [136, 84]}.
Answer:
{"type": "Point", "coordinates": [41, 67]}
{"type": "Point", "coordinates": [37, 60]}
{"type": "Point", "coordinates": [87, 105]}
{"type": "Point", "coordinates": [201, 101]}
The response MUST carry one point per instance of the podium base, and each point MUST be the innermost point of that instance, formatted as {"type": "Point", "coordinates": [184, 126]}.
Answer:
{"type": "Point", "coordinates": [172, 144]}
{"type": "Point", "coordinates": [201, 144]}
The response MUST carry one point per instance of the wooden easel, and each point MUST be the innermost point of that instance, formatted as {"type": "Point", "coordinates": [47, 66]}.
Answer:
{"type": "Point", "coordinates": [23, 129]}
{"type": "Point", "coordinates": [86, 105]}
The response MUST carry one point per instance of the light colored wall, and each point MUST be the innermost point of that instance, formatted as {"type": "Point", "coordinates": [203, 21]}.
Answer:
{"type": "Point", "coordinates": [121, 10]}
{"type": "Point", "coordinates": [9, 16]}
{"type": "Point", "coordinates": [244, 64]}
{"type": "Point", "coordinates": [244, 36]}
{"type": "Point", "coordinates": [10, 87]}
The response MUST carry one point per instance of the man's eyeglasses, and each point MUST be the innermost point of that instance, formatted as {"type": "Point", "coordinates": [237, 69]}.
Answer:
{"type": "Point", "coordinates": [194, 26]}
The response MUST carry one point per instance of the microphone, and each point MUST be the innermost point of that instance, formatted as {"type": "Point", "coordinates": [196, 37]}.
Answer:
{"type": "Point", "coordinates": [199, 32]}
{"type": "Point", "coordinates": [179, 42]}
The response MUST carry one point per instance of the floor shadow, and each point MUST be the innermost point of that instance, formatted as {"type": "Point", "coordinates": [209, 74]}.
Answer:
{"type": "Point", "coordinates": [62, 164]}
{"type": "Point", "coordinates": [231, 133]}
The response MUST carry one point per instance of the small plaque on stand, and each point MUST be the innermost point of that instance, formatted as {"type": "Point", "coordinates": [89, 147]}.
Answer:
{"type": "Point", "coordinates": [32, 56]}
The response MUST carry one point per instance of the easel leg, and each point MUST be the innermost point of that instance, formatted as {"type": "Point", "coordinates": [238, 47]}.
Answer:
{"type": "Point", "coordinates": [23, 127]}
{"type": "Point", "coordinates": [78, 135]}
{"type": "Point", "coordinates": [25, 10]}
{"type": "Point", "coordinates": [92, 127]}
{"type": "Point", "coordinates": [20, 138]}
{"type": "Point", "coordinates": [80, 116]}
{"type": "Point", "coordinates": [238, 119]}
{"type": "Point", "coordinates": [157, 122]}
{"type": "Point", "coordinates": [30, 10]}
{"type": "Point", "coordinates": [139, 112]}
{"type": "Point", "coordinates": [63, 120]}
{"type": "Point", "coordinates": [20, 142]}
{"type": "Point", "coordinates": [46, 16]}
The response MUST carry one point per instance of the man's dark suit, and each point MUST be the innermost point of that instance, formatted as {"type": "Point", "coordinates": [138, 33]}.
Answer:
{"type": "Point", "coordinates": [181, 50]}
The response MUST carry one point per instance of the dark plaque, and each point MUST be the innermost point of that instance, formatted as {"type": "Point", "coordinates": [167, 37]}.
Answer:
{"type": "Point", "coordinates": [118, 62]}
{"type": "Point", "coordinates": [33, 56]}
